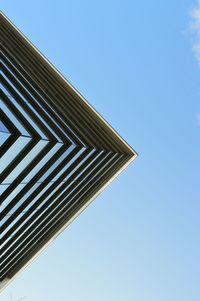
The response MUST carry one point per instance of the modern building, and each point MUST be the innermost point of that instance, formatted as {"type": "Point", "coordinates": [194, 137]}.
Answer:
{"type": "Point", "coordinates": [56, 152]}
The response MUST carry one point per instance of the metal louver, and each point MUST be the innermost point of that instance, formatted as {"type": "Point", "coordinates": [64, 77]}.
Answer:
{"type": "Point", "coordinates": [56, 152]}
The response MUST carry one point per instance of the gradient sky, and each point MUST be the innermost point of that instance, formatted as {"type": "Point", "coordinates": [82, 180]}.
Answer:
{"type": "Point", "coordinates": [133, 61]}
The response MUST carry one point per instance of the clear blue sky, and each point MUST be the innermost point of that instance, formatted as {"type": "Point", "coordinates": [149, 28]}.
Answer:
{"type": "Point", "coordinates": [133, 61]}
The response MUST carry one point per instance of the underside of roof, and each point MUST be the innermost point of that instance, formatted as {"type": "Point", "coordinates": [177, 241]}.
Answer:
{"type": "Point", "coordinates": [56, 152]}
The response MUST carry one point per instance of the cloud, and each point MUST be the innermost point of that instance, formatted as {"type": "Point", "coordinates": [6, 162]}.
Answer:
{"type": "Point", "coordinates": [195, 26]}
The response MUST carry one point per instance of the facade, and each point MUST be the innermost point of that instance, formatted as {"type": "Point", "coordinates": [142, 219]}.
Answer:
{"type": "Point", "coordinates": [56, 152]}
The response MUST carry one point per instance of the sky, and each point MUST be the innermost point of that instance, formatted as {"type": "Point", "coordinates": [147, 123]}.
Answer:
{"type": "Point", "coordinates": [138, 64]}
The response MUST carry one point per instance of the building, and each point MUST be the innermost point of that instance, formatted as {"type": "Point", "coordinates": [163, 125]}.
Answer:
{"type": "Point", "coordinates": [57, 153]}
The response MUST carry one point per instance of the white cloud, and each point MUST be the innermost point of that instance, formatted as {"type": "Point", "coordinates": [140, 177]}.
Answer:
{"type": "Point", "coordinates": [195, 26]}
